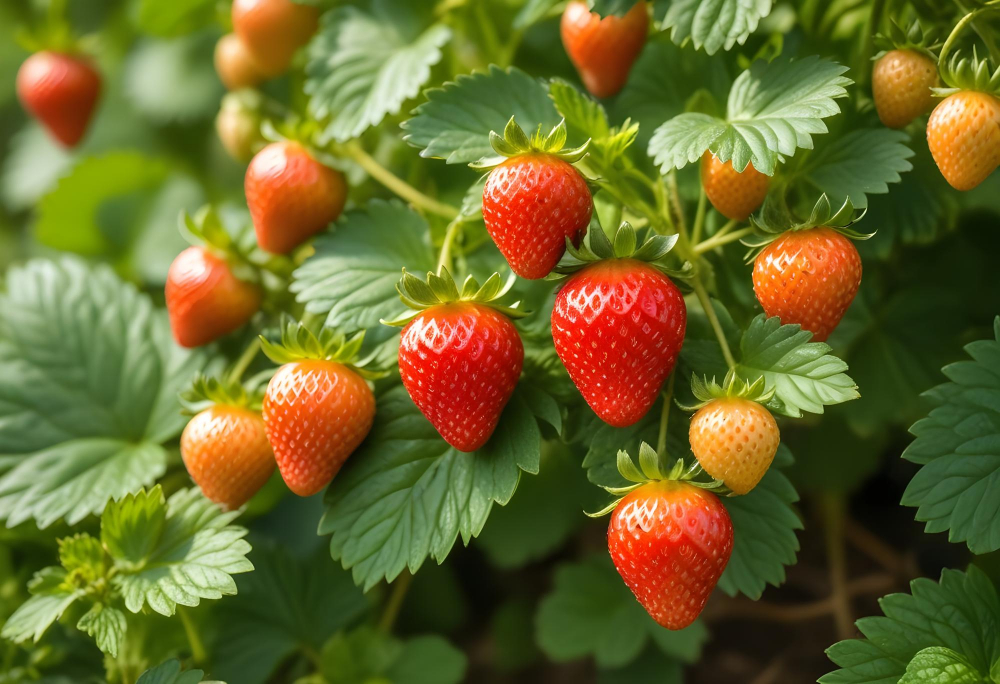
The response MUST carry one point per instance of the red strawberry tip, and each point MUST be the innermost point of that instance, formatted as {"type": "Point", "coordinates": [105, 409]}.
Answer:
{"type": "Point", "coordinates": [515, 142]}
{"type": "Point", "coordinates": [597, 247]}
{"type": "Point", "coordinates": [299, 343]}
{"type": "Point", "coordinates": [419, 295]}
{"type": "Point", "coordinates": [775, 218]}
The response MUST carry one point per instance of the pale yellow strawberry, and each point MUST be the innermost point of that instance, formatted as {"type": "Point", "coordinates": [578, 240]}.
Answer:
{"type": "Point", "coordinates": [735, 441]}
{"type": "Point", "coordinates": [901, 86]}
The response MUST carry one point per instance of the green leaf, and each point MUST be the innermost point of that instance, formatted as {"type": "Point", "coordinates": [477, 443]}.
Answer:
{"type": "Point", "coordinates": [106, 625]}
{"type": "Point", "coordinates": [616, 7]}
{"type": "Point", "coordinates": [590, 612]}
{"type": "Point", "coordinates": [773, 109]}
{"type": "Point", "coordinates": [353, 274]}
{"type": "Point", "coordinates": [961, 613]}
{"type": "Point", "coordinates": [32, 165]}
{"type": "Point", "coordinates": [74, 216]}
{"type": "Point", "coordinates": [170, 673]}
{"type": "Point", "coordinates": [83, 556]}
{"type": "Point", "coordinates": [285, 605]}
{"type": "Point", "coordinates": [131, 527]}
{"type": "Point", "coordinates": [176, 18]}
{"type": "Point", "coordinates": [172, 81]}
{"type": "Point", "coordinates": [50, 599]}
{"type": "Point", "coordinates": [714, 24]}
{"type": "Point", "coordinates": [936, 665]}
{"type": "Point", "coordinates": [455, 122]}
{"type": "Point", "coordinates": [651, 667]}
{"type": "Point", "coordinates": [192, 558]}
{"type": "Point", "coordinates": [861, 163]}
{"type": "Point", "coordinates": [427, 660]}
{"type": "Point", "coordinates": [532, 12]}
{"type": "Point", "coordinates": [406, 494]}
{"type": "Point", "coordinates": [958, 446]}
{"type": "Point", "coordinates": [364, 66]}
{"type": "Point", "coordinates": [803, 374]}
{"type": "Point", "coordinates": [584, 115]}
{"type": "Point", "coordinates": [365, 655]}
{"type": "Point", "coordinates": [89, 377]}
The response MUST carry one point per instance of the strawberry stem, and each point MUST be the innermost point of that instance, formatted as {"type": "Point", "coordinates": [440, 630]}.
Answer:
{"type": "Point", "coordinates": [699, 217]}
{"type": "Point", "coordinates": [198, 653]}
{"type": "Point", "coordinates": [395, 601]}
{"type": "Point", "coordinates": [246, 358]}
{"type": "Point", "coordinates": [713, 319]}
{"type": "Point", "coordinates": [721, 238]}
{"type": "Point", "coordinates": [953, 36]}
{"type": "Point", "coordinates": [444, 260]}
{"type": "Point", "coordinates": [661, 440]}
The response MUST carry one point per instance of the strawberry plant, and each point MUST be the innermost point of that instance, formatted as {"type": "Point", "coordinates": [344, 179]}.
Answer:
{"type": "Point", "coordinates": [433, 341]}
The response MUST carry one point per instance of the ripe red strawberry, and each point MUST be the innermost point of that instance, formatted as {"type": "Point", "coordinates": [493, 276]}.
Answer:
{"type": "Point", "coordinates": [205, 300]}
{"type": "Point", "coordinates": [734, 440]}
{"type": "Point", "coordinates": [61, 91]}
{"type": "Point", "coordinates": [273, 30]}
{"type": "Point", "coordinates": [459, 357]}
{"type": "Point", "coordinates": [963, 134]}
{"type": "Point", "coordinates": [734, 194]}
{"type": "Point", "coordinates": [291, 196]}
{"type": "Point", "coordinates": [234, 64]}
{"type": "Point", "coordinates": [226, 452]}
{"type": "Point", "coordinates": [317, 408]}
{"type": "Point", "coordinates": [618, 326]}
{"type": "Point", "coordinates": [604, 49]}
{"type": "Point", "coordinates": [670, 542]}
{"type": "Point", "coordinates": [901, 86]}
{"type": "Point", "coordinates": [808, 277]}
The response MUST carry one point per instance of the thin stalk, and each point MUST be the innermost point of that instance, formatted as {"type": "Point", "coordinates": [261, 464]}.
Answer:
{"type": "Point", "coordinates": [713, 319]}
{"type": "Point", "coordinates": [834, 512]}
{"type": "Point", "coordinates": [444, 260]}
{"type": "Point", "coordinates": [699, 217]}
{"type": "Point", "coordinates": [246, 358]}
{"type": "Point", "coordinates": [395, 602]}
{"type": "Point", "coordinates": [198, 653]}
{"type": "Point", "coordinates": [953, 36]}
{"type": "Point", "coordinates": [675, 202]}
{"type": "Point", "coordinates": [720, 240]}
{"type": "Point", "coordinates": [668, 395]}
{"type": "Point", "coordinates": [984, 34]}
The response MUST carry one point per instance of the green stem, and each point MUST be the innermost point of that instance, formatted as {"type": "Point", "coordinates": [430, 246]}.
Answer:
{"type": "Point", "coordinates": [395, 602]}
{"type": "Point", "coordinates": [661, 440]}
{"type": "Point", "coordinates": [953, 36]}
{"type": "Point", "coordinates": [444, 260]}
{"type": "Point", "coordinates": [198, 653]}
{"type": "Point", "coordinates": [396, 184]}
{"type": "Point", "coordinates": [720, 240]}
{"type": "Point", "coordinates": [699, 217]}
{"type": "Point", "coordinates": [676, 204]}
{"type": "Point", "coordinates": [713, 319]}
{"type": "Point", "coordinates": [246, 358]}
{"type": "Point", "coordinates": [984, 35]}
{"type": "Point", "coordinates": [834, 513]}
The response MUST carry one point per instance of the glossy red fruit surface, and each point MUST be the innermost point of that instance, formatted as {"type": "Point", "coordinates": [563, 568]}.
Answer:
{"type": "Point", "coordinates": [460, 363]}
{"type": "Point", "coordinates": [618, 326]}
{"type": "Point", "coordinates": [604, 49]}
{"type": "Point", "coordinates": [61, 91]}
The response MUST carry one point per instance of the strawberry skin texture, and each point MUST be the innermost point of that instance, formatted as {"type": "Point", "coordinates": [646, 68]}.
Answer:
{"type": "Point", "coordinates": [227, 454]}
{"type": "Point", "coordinates": [603, 49]}
{"type": "Point", "coordinates": [460, 364]}
{"type": "Point", "coordinates": [808, 277]}
{"type": "Point", "coordinates": [273, 30]}
{"type": "Point", "coordinates": [234, 64]}
{"type": "Point", "coordinates": [291, 196]}
{"type": "Point", "coordinates": [733, 193]}
{"type": "Point", "coordinates": [963, 134]}
{"type": "Point", "coordinates": [316, 413]}
{"type": "Point", "coordinates": [670, 542]}
{"type": "Point", "coordinates": [531, 204]}
{"type": "Point", "coordinates": [61, 91]}
{"type": "Point", "coordinates": [735, 441]}
{"type": "Point", "coordinates": [205, 300]}
{"type": "Point", "coordinates": [618, 327]}
{"type": "Point", "coordinates": [901, 86]}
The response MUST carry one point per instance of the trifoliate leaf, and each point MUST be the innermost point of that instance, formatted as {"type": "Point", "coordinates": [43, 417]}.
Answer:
{"type": "Point", "coordinates": [406, 494]}
{"type": "Point", "coordinates": [590, 612]}
{"type": "Point", "coordinates": [860, 163]}
{"type": "Point", "coordinates": [50, 599]}
{"type": "Point", "coordinates": [176, 18]}
{"type": "Point", "coordinates": [803, 374]}
{"type": "Point", "coordinates": [89, 377]}
{"type": "Point", "coordinates": [958, 445]}
{"type": "Point", "coordinates": [106, 625]}
{"type": "Point", "coordinates": [363, 66]}
{"type": "Point", "coordinates": [173, 80]}
{"type": "Point", "coordinates": [960, 613]}
{"type": "Point", "coordinates": [773, 109]}
{"type": "Point", "coordinates": [455, 122]}
{"type": "Point", "coordinates": [170, 673]}
{"type": "Point", "coordinates": [192, 558]}
{"type": "Point", "coordinates": [353, 274]}
{"type": "Point", "coordinates": [366, 655]}
{"type": "Point", "coordinates": [936, 665]}
{"type": "Point", "coordinates": [714, 24]}
{"type": "Point", "coordinates": [286, 605]}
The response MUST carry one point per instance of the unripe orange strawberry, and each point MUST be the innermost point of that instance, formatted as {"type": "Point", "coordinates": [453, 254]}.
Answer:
{"type": "Point", "coordinates": [60, 91]}
{"type": "Point", "coordinates": [604, 49]}
{"type": "Point", "coordinates": [273, 30]}
{"type": "Point", "coordinates": [734, 194]}
{"type": "Point", "coordinates": [226, 452]}
{"type": "Point", "coordinates": [901, 86]}
{"type": "Point", "coordinates": [234, 64]}
{"type": "Point", "coordinates": [963, 135]}
{"type": "Point", "coordinates": [808, 277]}
{"type": "Point", "coordinates": [734, 440]}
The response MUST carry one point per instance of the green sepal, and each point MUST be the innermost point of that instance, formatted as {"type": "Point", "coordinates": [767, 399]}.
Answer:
{"type": "Point", "coordinates": [732, 387]}
{"type": "Point", "coordinates": [653, 467]}
{"type": "Point", "coordinates": [241, 252]}
{"type": "Point", "coordinates": [206, 391]}
{"type": "Point", "coordinates": [916, 38]}
{"type": "Point", "coordinates": [962, 73]}
{"type": "Point", "coordinates": [775, 218]}
{"type": "Point", "coordinates": [419, 295]}
{"type": "Point", "coordinates": [299, 343]}
{"type": "Point", "coordinates": [598, 247]}
{"type": "Point", "coordinates": [515, 142]}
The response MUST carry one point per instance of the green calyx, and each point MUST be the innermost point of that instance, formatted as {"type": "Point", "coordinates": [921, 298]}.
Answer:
{"type": "Point", "coordinates": [515, 142]}
{"type": "Point", "coordinates": [653, 468]}
{"type": "Point", "coordinates": [437, 290]}
{"type": "Point", "coordinates": [926, 42]}
{"type": "Point", "coordinates": [732, 387]}
{"type": "Point", "coordinates": [238, 248]}
{"type": "Point", "coordinates": [775, 218]}
{"type": "Point", "coordinates": [965, 73]}
{"type": "Point", "coordinates": [299, 343]}
{"type": "Point", "coordinates": [597, 247]}
{"type": "Point", "coordinates": [206, 391]}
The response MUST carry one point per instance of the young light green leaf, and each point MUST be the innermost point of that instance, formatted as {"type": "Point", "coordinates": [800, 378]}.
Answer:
{"type": "Point", "coordinates": [50, 599]}
{"type": "Point", "coordinates": [937, 665]}
{"type": "Point", "coordinates": [406, 494]}
{"type": "Point", "coordinates": [859, 164]}
{"type": "Point", "coordinates": [913, 622]}
{"type": "Point", "coordinates": [106, 625]}
{"type": "Point", "coordinates": [353, 274]}
{"type": "Point", "coordinates": [590, 612]}
{"type": "Point", "coordinates": [803, 374]}
{"type": "Point", "coordinates": [131, 527]}
{"type": "Point", "coordinates": [363, 66]}
{"type": "Point", "coordinates": [89, 376]}
{"type": "Point", "coordinates": [455, 122]}
{"type": "Point", "coordinates": [773, 109]}
{"type": "Point", "coordinates": [170, 672]}
{"type": "Point", "coordinates": [714, 24]}
{"type": "Point", "coordinates": [958, 446]}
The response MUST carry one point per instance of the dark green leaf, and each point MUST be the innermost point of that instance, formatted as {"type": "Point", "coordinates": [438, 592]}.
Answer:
{"type": "Point", "coordinates": [170, 673]}
{"type": "Point", "coordinates": [861, 163]}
